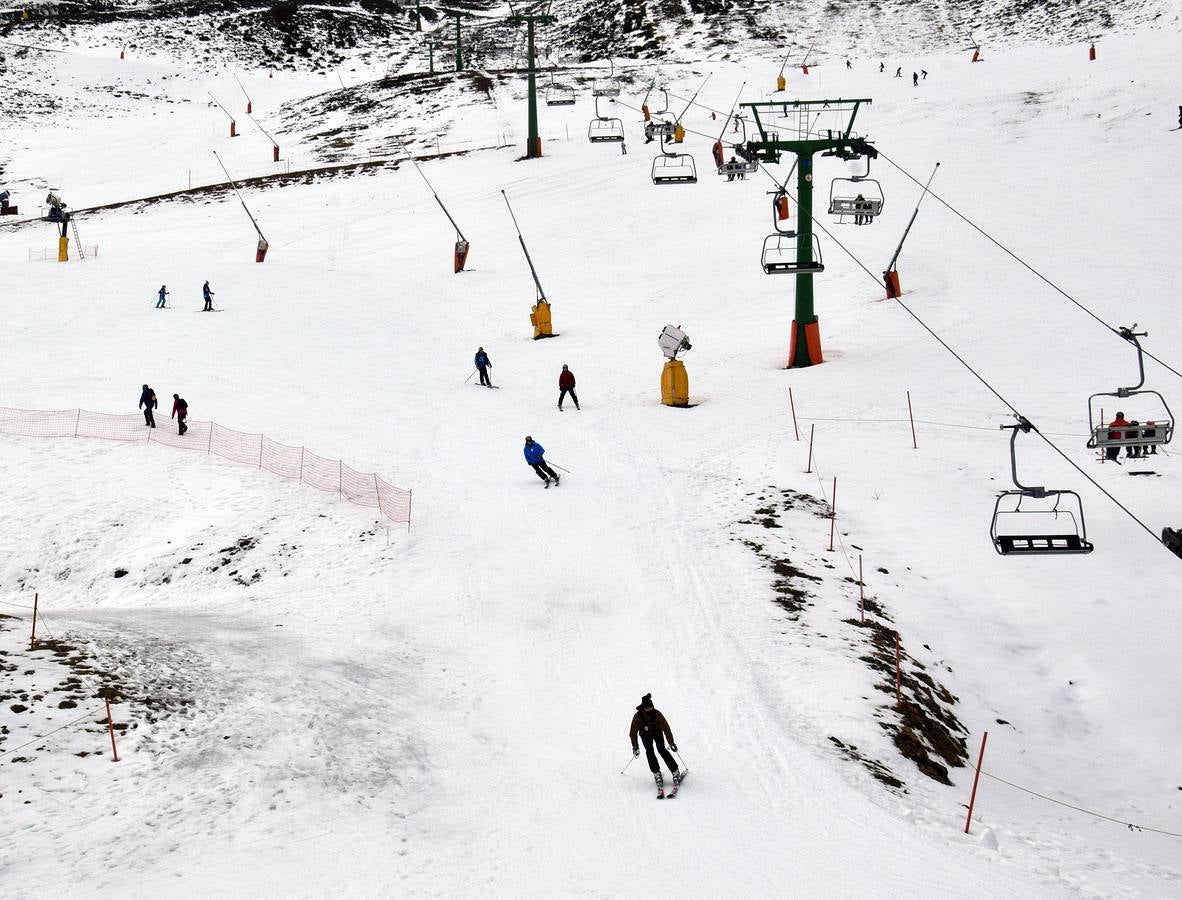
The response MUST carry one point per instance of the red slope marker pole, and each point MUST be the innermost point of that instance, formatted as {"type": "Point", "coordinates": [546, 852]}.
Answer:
{"type": "Point", "coordinates": [792, 403]}
{"type": "Point", "coordinates": [911, 416]}
{"type": "Point", "coordinates": [977, 777]}
{"type": "Point", "coordinates": [833, 513]}
{"type": "Point", "coordinates": [111, 730]}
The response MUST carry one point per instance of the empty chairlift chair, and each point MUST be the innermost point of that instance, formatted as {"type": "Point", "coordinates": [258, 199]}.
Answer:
{"type": "Point", "coordinates": [674, 168]}
{"type": "Point", "coordinates": [1036, 520]}
{"type": "Point", "coordinates": [781, 257]}
{"type": "Point", "coordinates": [604, 128]}
{"type": "Point", "coordinates": [606, 87]}
{"type": "Point", "coordinates": [558, 95]}
{"type": "Point", "coordinates": [1136, 431]}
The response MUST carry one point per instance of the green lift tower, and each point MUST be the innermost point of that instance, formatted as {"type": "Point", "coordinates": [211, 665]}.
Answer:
{"type": "Point", "coordinates": [791, 126]}
{"type": "Point", "coordinates": [531, 14]}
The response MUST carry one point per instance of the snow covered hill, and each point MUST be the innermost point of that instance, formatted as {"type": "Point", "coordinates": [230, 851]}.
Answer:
{"type": "Point", "coordinates": [311, 705]}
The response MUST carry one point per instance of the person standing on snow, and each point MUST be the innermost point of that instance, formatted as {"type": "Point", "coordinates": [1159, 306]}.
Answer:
{"type": "Point", "coordinates": [148, 403]}
{"type": "Point", "coordinates": [180, 412]}
{"type": "Point", "coordinates": [566, 385]}
{"type": "Point", "coordinates": [207, 294]}
{"type": "Point", "coordinates": [535, 455]}
{"type": "Point", "coordinates": [915, 79]}
{"type": "Point", "coordinates": [483, 364]}
{"type": "Point", "coordinates": [650, 724]}
{"type": "Point", "coordinates": [162, 293]}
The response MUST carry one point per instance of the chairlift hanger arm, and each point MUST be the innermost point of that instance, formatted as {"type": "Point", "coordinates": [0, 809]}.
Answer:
{"type": "Point", "coordinates": [1131, 336]}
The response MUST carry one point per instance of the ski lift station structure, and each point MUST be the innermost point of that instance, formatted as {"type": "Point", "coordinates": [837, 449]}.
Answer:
{"type": "Point", "coordinates": [796, 118]}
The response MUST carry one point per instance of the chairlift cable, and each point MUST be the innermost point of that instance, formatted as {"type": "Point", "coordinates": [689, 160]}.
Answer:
{"type": "Point", "coordinates": [981, 378]}
{"type": "Point", "coordinates": [1023, 262]}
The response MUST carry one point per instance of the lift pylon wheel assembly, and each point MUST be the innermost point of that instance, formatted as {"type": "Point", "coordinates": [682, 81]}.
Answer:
{"type": "Point", "coordinates": [788, 126]}
{"type": "Point", "coordinates": [1036, 520]}
{"type": "Point", "coordinates": [1135, 430]}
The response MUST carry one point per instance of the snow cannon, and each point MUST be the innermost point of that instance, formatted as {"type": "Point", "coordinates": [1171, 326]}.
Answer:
{"type": "Point", "coordinates": [539, 318]}
{"type": "Point", "coordinates": [260, 252]}
{"type": "Point", "coordinates": [461, 255]}
{"type": "Point", "coordinates": [891, 278]}
{"type": "Point", "coordinates": [781, 83]}
{"type": "Point", "coordinates": [674, 379]}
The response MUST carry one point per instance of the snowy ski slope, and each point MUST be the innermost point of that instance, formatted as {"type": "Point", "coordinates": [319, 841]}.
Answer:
{"type": "Point", "coordinates": [444, 712]}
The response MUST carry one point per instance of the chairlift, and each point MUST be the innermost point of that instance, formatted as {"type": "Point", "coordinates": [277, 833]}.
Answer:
{"type": "Point", "coordinates": [1141, 432]}
{"type": "Point", "coordinates": [559, 95]}
{"type": "Point", "coordinates": [780, 255]}
{"type": "Point", "coordinates": [604, 128]}
{"type": "Point", "coordinates": [738, 168]}
{"type": "Point", "coordinates": [1035, 520]}
{"type": "Point", "coordinates": [607, 87]}
{"type": "Point", "coordinates": [659, 129]}
{"type": "Point", "coordinates": [674, 168]}
{"type": "Point", "coordinates": [862, 202]}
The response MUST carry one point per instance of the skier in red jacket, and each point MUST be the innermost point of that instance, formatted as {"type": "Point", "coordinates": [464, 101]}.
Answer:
{"type": "Point", "coordinates": [180, 412]}
{"type": "Point", "coordinates": [566, 385]}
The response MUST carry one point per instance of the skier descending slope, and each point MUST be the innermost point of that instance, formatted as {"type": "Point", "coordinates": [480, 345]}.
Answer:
{"type": "Point", "coordinates": [650, 724]}
{"type": "Point", "coordinates": [535, 455]}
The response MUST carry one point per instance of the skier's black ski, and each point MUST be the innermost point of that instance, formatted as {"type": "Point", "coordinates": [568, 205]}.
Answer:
{"type": "Point", "coordinates": [677, 780]}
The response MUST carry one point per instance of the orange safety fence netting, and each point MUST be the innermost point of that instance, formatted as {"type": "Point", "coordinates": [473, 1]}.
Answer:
{"type": "Point", "coordinates": [299, 463]}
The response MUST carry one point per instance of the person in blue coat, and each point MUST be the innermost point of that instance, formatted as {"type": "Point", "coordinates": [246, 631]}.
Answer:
{"type": "Point", "coordinates": [535, 456]}
{"type": "Point", "coordinates": [483, 364]}
{"type": "Point", "coordinates": [163, 297]}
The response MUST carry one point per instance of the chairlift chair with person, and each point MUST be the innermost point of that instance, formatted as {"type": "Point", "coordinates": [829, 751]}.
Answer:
{"type": "Point", "coordinates": [1142, 432]}
{"type": "Point", "coordinates": [862, 200]}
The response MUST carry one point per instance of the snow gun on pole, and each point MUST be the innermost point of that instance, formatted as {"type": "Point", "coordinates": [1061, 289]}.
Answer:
{"type": "Point", "coordinates": [261, 250]}
{"type": "Point", "coordinates": [804, 63]}
{"type": "Point", "coordinates": [233, 124]}
{"type": "Point", "coordinates": [274, 143]}
{"type": "Point", "coordinates": [678, 128]}
{"type": "Point", "coordinates": [460, 257]}
{"type": "Point", "coordinates": [244, 94]}
{"type": "Point", "coordinates": [539, 314]}
{"type": "Point", "coordinates": [891, 275]}
{"type": "Point", "coordinates": [781, 81]}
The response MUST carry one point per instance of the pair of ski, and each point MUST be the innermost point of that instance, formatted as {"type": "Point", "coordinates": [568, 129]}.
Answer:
{"type": "Point", "coordinates": [554, 479]}
{"type": "Point", "coordinates": [677, 780]}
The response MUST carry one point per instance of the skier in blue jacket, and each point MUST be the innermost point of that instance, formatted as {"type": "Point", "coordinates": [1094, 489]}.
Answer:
{"type": "Point", "coordinates": [483, 364]}
{"type": "Point", "coordinates": [534, 455]}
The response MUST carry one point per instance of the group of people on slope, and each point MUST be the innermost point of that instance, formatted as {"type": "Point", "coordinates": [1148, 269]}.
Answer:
{"type": "Point", "coordinates": [566, 378]}
{"type": "Point", "coordinates": [149, 404]}
{"type": "Point", "coordinates": [206, 295]}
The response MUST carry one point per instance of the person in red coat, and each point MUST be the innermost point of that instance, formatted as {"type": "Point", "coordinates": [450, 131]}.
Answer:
{"type": "Point", "coordinates": [180, 412]}
{"type": "Point", "coordinates": [566, 385]}
{"type": "Point", "coordinates": [1120, 422]}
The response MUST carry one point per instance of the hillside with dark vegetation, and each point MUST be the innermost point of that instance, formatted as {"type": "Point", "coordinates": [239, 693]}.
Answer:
{"type": "Point", "coordinates": [295, 34]}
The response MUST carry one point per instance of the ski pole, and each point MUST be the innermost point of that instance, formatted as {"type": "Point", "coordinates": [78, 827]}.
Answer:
{"type": "Point", "coordinates": [680, 760]}
{"type": "Point", "coordinates": [628, 764]}
{"type": "Point", "coordinates": [469, 378]}
{"type": "Point", "coordinates": [557, 466]}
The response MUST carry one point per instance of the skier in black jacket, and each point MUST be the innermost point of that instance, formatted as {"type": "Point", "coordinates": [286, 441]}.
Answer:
{"type": "Point", "coordinates": [650, 724]}
{"type": "Point", "coordinates": [483, 364]}
{"type": "Point", "coordinates": [147, 404]}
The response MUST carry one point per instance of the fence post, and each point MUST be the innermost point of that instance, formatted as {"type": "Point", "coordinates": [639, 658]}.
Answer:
{"type": "Point", "coordinates": [810, 465]}
{"type": "Point", "coordinates": [977, 777]}
{"type": "Point", "coordinates": [111, 730]}
{"type": "Point", "coordinates": [861, 591]}
{"type": "Point", "coordinates": [911, 416]}
{"type": "Point", "coordinates": [261, 438]}
{"type": "Point", "coordinates": [833, 513]}
{"type": "Point", "coordinates": [301, 465]}
{"type": "Point", "coordinates": [340, 480]}
{"type": "Point", "coordinates": [33, 635]}
{"type": "Point", "coordinates": [409, 497]}
{"type": "Point", "coordinates": [792, 403]}
{"type": "Point", "coordinates": [77, 419]}
{"type": "Point", "coordinates": [377, 492]}
{"type": "Point", "coordinates": [209, 447]}
{"type": "Point", "coordinates": [898, 675]}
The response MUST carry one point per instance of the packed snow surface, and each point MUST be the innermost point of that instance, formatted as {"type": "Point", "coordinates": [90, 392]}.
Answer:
{"type": "Point", "coordinates": [312, 704]}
